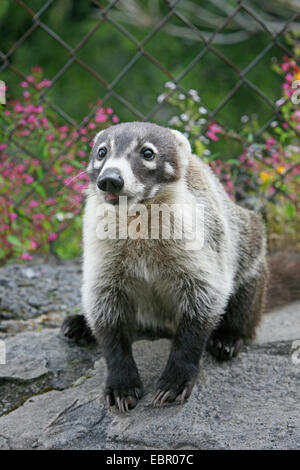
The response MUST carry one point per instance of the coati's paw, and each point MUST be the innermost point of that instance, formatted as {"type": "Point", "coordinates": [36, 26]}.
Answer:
{"type": "Point", "coordinates": [123, 392]}
{"type": "Point", "coordinates": [75, 327]}
{"type": "Point", "coordinates": [224, 348]}
{"type": "Point", "coordinates": [176, 383]}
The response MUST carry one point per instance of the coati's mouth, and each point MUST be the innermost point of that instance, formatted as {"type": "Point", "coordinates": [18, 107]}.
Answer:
{"type": "Point", "coordinates": [112, 198]}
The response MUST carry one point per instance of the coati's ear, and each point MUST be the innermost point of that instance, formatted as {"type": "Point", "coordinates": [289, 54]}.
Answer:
{"type": "Point", "coordinates": [184, 147]}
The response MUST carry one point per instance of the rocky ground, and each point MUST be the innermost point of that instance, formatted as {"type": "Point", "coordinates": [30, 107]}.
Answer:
{"type": "Point", "coordinates": [50, 389]}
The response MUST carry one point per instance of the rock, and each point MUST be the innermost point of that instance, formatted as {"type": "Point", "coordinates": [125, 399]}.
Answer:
{"type": "Point", "coordinates": [251, 402]}
{"type": "Point", "coordinates": [40, 361]}
{"type": "Point", "coordinates": [283, 323]}
{"type": "Point", "coordinates": [37, 290]}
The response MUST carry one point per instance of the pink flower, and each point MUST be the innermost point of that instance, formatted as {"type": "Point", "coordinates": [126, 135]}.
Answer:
{"type": "Point", "coordinates": [100, 118]}
{"type": "Point", "coordinates": [44, 83]}
{"type": "Point", "coordinates": [13, 216]}
{"type": "Point", "coordinates": [50, 137]}
{"type": "Point", "coordinates": [3, 146]}
{"type": "Point", "coordinates": [91, 125]}
{"type": "Point", "coordinates": [18, 108]}
{"type": "Point", "coordinates": [289, 77]}
{"type": "Point", "coordinates": [83, 131]}
{"type": "Point", "coordinates": [33, 204]}
{"type": "Point", "coordinates": [24, 84]}
{"type": "Point", "coordinates": [50, 201]}
{"type": "Point", "coordinates": [38, 216]}
{"type": "Point", "coordinates": [30, 78]}
{"type": "Point", "coordinates": [52, 236]}
{"type": "Point", "coordinates": [28, 179]}
{"type": "Point", "coordinates": [32, 118]}
{"type": "Point", "coordinates": [64, 128]}
{"type": "Point", "coordinates": [214, 128]}
{"type": "Point", "coordinates": [44, 122]}
{"type": "Point", "coordinates": [115, 119]}
{"type": "Point", "coordinates": [212, 136]}
{"type": "Point", "coordinates": [7, 112]}
{"type": "Point", "coordinates": [26, 257]}
{"type": "Point", "coordinates": [81, 153]}
{"type": "Point", "coordinates": [271, 190]}
{"type": "Point", "coordinates": [270, 142]}
{"type": "Point", "coordinates": [109, 110]}
{"type": "Point", "coordinates": [20, 168]}
{"type": "Point", "coordinates": [38, 109]}
{"type": "Point", "coordinates": [285, 66]}
{"type": "Point", "coordinates": [68, 169]}
{"type": "Point", "coordinates": [33, 244]}
{"type": "Point", "coordinates": [26, 94]}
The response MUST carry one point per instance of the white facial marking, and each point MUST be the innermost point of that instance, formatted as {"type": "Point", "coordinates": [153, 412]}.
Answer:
{"type": "Point", "coordinates": [131, 184]}
{"type": "Point", "coordinates": [169, 169]}
{"type": "Point", "coordinates": [149, 164]}
{"type": "Point", "coordinates": [148, 145]}
{"type": "Point", "coordinates": [97, 164]}
{"type": "Point", "coordinates": [154, 190]}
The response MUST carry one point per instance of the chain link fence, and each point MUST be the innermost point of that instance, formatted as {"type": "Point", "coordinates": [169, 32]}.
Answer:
{"type": "Point", "coordinates": [187, 24]}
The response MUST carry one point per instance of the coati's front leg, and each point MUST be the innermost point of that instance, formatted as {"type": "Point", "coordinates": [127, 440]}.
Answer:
{"type": "Point", "coordinates": [199, 310]}
{"type": "Point", "coordinates": [111, 317]}
{"type": "Point", "coordinates": [182, 368]}
{"type": "Point", "coordinates": [123, 384]}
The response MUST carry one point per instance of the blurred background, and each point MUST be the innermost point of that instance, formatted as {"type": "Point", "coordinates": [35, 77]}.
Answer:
{"type": "Point", "coordinates": [221, 71]}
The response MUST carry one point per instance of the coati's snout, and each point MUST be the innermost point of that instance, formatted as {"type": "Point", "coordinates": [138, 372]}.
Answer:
{"type": "Point", "coordinates": [111, 182]}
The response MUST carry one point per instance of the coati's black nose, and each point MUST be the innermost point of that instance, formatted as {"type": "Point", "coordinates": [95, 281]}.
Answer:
{"type": "Point", "coordinates": [110, 181]}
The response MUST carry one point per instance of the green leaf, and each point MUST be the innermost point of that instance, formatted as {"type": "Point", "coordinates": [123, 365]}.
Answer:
{"type": "Point", "coordinates": [199, 147]}
{"type": "Point", "coordinates": [40, 189]}
{"type": "Point", "coordinates": [290, 210]}
{"type": "Point", "coordinates": [13, 240]}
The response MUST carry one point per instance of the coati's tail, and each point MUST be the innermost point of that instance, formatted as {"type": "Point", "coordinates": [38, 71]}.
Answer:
{"type": "Point", "coordinates": [284, 284]}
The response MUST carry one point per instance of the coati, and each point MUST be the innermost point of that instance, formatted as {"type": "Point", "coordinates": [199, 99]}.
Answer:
{"type": "Point", "coordinates": [212, 296]}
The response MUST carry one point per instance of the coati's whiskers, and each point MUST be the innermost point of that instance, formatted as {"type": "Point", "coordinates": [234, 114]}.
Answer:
{"type": "Point", "coordinates": [75, 177]}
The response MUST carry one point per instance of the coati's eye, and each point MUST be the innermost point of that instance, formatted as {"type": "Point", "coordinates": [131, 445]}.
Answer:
{"type": "Point", "coordinates": [101, 153]}
{"type": "Point", "coordinates": [148, 154]}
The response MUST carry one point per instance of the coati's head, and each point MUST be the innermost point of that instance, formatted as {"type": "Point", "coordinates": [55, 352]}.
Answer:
{"type": "Point", "coordinates": [138, 160]}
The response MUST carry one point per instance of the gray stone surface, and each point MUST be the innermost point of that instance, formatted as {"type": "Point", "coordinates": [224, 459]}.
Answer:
{"type": "Point", "coordinates": [51, 391]}
{"type": "Point", "coordinates": [37, 294]}
{"type": "Point", "coordinates": [249, 403]}
{"type": "Point", "coordinates": [40, 361]}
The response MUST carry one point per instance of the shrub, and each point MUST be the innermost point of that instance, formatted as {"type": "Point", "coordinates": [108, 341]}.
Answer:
{"type": "Point", "coordinates": [42, 174]}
